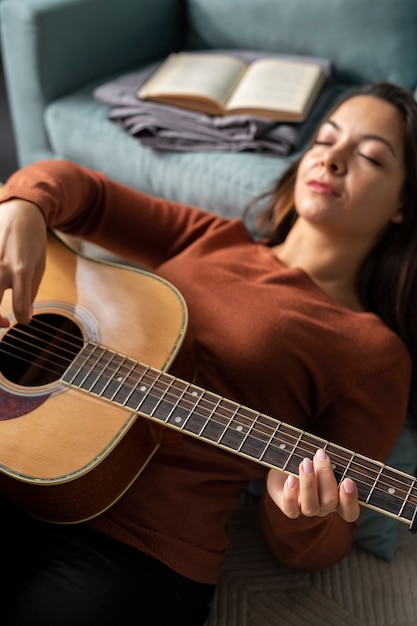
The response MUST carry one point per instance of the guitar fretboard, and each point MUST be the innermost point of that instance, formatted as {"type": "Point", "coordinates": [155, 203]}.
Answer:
{"type": "Point", "coordinates": [213, 419]}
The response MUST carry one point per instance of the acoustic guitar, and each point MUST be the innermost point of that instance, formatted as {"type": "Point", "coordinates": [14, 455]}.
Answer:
{"type": "Point", "coordinates": [86, 398]}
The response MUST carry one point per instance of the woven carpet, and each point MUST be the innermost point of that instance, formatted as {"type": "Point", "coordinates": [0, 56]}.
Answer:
{"type": "Point", "coordinates": [362, 590]}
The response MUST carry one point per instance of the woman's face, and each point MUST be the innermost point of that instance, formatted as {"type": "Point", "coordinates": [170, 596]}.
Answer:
{"type": "Point", "coordinates": [349, 183]}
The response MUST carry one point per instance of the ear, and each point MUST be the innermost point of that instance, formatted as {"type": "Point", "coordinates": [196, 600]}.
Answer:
{"type": "Point", "coordinates": [398, 217]}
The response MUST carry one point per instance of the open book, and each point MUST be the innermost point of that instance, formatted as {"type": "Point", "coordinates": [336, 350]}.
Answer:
{"type": "Point", "coordinates": [217, 84]}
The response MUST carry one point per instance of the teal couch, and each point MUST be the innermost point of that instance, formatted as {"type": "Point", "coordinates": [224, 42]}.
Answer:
{"type": "Point", "coordinates": [56, 51]}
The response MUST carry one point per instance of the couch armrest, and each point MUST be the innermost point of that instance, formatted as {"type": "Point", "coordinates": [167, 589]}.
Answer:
{"type": "Point", "coordinates": [51, 47]}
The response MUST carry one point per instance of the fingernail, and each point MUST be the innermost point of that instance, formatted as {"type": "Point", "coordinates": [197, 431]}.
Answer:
{"type": "Point", "coordinates": [291, 482]}
{"type": "Point", "coordinates": [308, 466]}
{"type": "Point", "coordinates": [348, 485]}
{"type": "Point", "coordinates": [321, 455]}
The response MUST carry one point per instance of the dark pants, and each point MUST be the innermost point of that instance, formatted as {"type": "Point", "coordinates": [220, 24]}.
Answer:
{"type": "Point", "coordinates": [73, 576]}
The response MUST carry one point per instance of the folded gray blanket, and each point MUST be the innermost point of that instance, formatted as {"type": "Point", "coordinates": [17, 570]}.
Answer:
{"type": "Point", "coordinates": [166, 127]}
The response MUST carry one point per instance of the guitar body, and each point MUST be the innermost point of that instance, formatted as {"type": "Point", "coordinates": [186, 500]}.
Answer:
{"type": "Point", "coordinates": [66, 455]}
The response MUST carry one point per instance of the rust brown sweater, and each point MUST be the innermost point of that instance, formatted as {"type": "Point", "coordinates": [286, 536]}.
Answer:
{"type": "Point", "coordinates": [262, 334]}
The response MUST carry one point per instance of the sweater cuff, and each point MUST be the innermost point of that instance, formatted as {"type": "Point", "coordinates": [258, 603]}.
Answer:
{"type": "Point", "coordinates": [306, 543]}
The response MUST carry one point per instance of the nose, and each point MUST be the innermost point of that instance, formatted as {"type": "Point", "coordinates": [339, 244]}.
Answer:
{"type": "Point", "coordinates": [334, 160]}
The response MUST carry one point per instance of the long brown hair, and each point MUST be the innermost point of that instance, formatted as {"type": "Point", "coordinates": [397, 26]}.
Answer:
{"type": "Point", "coordinates": [387, 278]}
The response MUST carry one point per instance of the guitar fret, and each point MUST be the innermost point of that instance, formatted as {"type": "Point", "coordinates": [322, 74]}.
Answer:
{"type": "Point", "coordinates": [256, 441]}
{"type": "Point", "coordinates": [346, 470]}
{"type": "Point", "coordinates": [113, 367]}
{"type": "Point", "coordinates": [233, 433]}
{"type": "Point", "coordinates": [204, 410]}
{"type": "Point", "coordinates": [163, 404]}
{"type": "Point", "coordinates": [222, 433]}
{"type": "Point", "coordinates": [273, 451]}
{"type": "Point", "coordinates": [171, 412]}
{"type": "Point", "coordinates": [391, 491]}
{"type": "Point", "coordinates": [176, 410]}
{"type": "Point", "coordinates": [278, 452]}
{"type": "Point", "coordinates": [271, 443]}
{"type": "Point", "coordinates": [378, 486]}
{"type": "Point", "coordinates": [210, 428]}
{"type": "Point", "coordinates": [246, 441]}
{"type": "Point", "coordinates": [140, 392]}
{"type": "Point", "coordinates": [340, 459]}
{"type": "Point", "coordinates": [410, 504]}
{"type": "Point", "coordinates": [405, 501]}
{"type": "Point", "coordinates": [311, 443]}
{"type": "Point", "coordinates": [238, 428]}
{"type": "Point", "coordinates": [373, 486]}
{"type": "Point", "coordinates": [118, 379]}
{"type": "Point", "coordinates": [83, 376]}
{"type": "Point", "coordinates": [293, 461]}
{"type": "Point", "coordinates": [363, 475]}
{"type": "Point", "coordinates": [97, 368]}
{"type": "Point", "coordinates": [290, 446]}
{"type": "Point", "coordinates": [73, 372]}
{"type": "Point", "coordinates": [134, 374]}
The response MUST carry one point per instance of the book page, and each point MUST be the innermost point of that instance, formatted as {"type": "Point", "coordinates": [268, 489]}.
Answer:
{"type": "Point", "coordinates": [277, 85]}
{"type": "Point", "coordinates": [186, 75]}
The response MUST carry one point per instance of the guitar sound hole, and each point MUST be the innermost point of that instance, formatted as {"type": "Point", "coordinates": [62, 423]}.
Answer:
{"type": "Point", "coordinates": [38, 353]}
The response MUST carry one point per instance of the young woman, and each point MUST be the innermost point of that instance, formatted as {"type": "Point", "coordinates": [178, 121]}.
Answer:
{"type": "Point", "coordinates": [309, 323]}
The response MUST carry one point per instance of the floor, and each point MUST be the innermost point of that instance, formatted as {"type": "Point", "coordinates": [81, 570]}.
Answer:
{"type": "Point", "coordinates": [361, 590]}
{"type": "Point", "coordinates": [8, 158]}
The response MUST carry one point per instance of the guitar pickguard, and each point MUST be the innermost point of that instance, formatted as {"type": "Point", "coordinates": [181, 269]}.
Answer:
{"type": "Point", "coordinates": [13, 406]}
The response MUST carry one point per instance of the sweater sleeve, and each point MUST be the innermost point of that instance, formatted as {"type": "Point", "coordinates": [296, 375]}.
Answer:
{"type": "Point", "coordinates": [85, 203]}
{"type": "Point", "coordinates": [365, 415]}
{"type": "Point", "coordinates": [307, 543]}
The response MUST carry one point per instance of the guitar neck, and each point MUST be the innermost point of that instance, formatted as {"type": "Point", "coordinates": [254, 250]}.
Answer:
{"type": "Point", "coordinates": [185, 407]}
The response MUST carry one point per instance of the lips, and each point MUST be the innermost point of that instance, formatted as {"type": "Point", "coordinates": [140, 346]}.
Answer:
{"type": "Point", "coordinates": [322, 188]}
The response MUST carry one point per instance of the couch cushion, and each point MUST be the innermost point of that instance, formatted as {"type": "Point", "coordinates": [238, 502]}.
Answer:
{"type": "Point", "coordinates": [368, 40]}
{"type": "Point", "coordinates": [223, 183]}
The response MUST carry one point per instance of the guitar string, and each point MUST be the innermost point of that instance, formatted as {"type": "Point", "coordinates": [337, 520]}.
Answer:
{"type": "Point", "coordinates": [311, 447]}
{"type": "Point", "coordinates": [402, 496]}
{"type": "Point", "coordinates": [193, 402]}
{"type": "Point", "coordinates": [307, 447]}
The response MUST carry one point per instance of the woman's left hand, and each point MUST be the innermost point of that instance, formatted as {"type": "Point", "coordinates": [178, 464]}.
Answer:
{"type": "Point", "coordinates": [315, 492]}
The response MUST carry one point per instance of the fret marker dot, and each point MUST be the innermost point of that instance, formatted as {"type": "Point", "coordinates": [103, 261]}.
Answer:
{"type": "Point", "coordinates": [194, 393]}
{"type": "Point", "coordinates": [142, 388]}
{"type": "Point", "coordinates": [391, 491]}
{"type": "Point", "coordinates": [119, 379]}
{"type": "Point", "coordinates": [178, 420]}
{"type": "Point", "coordinates": [282, 446]}
{"type": "Point", "coordinates": [239, 428]}
{"type": "Point", "coordinates": [333, 466]}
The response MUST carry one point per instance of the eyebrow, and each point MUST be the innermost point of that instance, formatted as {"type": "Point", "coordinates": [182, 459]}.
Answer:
{"type": "Point", "coordinates": [367, 136]}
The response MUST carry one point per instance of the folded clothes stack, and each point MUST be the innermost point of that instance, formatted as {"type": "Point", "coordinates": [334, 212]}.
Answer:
{"type": "Point", "coordinates": [166, 127]}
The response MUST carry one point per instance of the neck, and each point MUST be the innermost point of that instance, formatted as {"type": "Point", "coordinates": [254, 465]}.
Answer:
{"type": "Point", "coordinates": [331, 263]}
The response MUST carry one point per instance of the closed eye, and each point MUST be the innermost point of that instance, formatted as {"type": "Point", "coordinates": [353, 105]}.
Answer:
{"type": "Point", "coordinates": [370, 159]}
{"type": "Point", "coordinates": [365, 156]}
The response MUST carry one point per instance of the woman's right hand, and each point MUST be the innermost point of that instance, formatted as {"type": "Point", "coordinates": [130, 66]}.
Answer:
{"type": "Point", "coordinates": [23, 236]}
